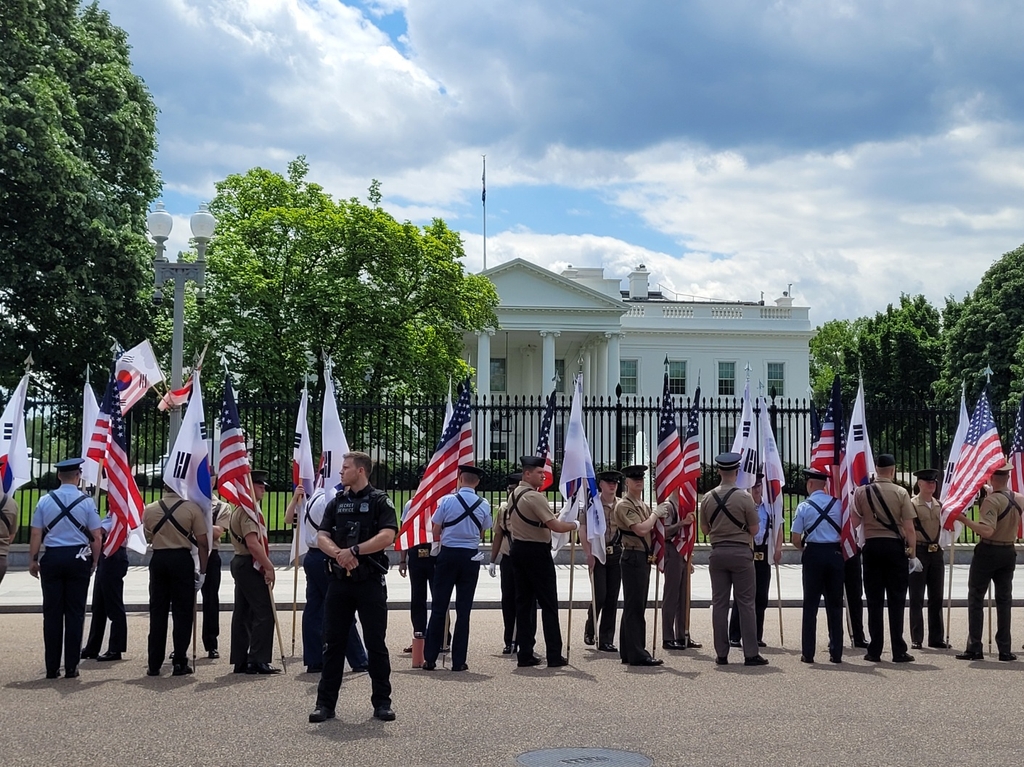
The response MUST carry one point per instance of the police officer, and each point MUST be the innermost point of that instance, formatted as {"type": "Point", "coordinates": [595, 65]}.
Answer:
{"type": "Point", "coordinates": [884, 508]}
{"type": "Point", "coordinates": [634, 521]}
{"type": "Point", "coordinates": [8, 528]}
{"type": "Point", "coordinates": [359, 523]}
{"type": "Point", "coordinates": [762, 567]}
{"type": "Point", "coordinates": [675, 600]}
{"type": "Point", "coordinates": [606, 577]}
{"type": "Point", "coordinates": [108, 601]}
{"type": "Point", "coordinates": [174, 526]}
{"type": "Point", "coordinates": [994, 561]}
{"type": "Point", "coordinates": [928, 525]}
{"type": "Point", "coordinates": [530, 523]}
{"type": "Point", "coordinates": [252, 622]}
{"type": "Point", "coordinates": [458, 524]}
{"type": "Point", "coordinates": [729, 520]}
{"type": "Point", "coordinates": [500, 558]}
{"type": "Point", "coordinates": [816, 531]}
{"type": "Point", "coordinates": [65, 520]}
{"type": "Point", "coordinates": [220, 513]}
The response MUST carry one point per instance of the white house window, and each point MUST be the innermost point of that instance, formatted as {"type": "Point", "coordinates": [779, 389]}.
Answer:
{"type": "Point", "coordinates": [628, 376]}
{"type": "Point", "coordinates": [560, 376]}
{"type": "Point", "coordinates": [726, 379]}
{"type": "Point", "coordinates": [726, 434]}
{"type": "Point", "coordinates": [677, 377]}
{"type": "Point", "coordinates": [498, 378]}
{"type": "Point", "coordinates": [777, 378]}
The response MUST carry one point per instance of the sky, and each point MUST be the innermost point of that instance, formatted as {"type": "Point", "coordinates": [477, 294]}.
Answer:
{"type": "Point", "coordinates": [854, 150]}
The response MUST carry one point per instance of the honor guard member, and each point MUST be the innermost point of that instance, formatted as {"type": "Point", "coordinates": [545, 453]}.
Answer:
{"type": "Point", "coordinates": [530, 523]}
{"type": "Point", "coordinates": [884, 508]}
{"type": "Point", "coordinates": [314, 564]}
{"type": "Point", "coordinates": [729, 520]}
{"type": "Point", "coordinates": [174, 526]}
{"type": "Point", "coordinates": [816, 531]}
{"type": "Point", "coordinates": [220, 513]}
{"type": "Point", "coordinates": [108, 601]}
{"type": "Point", "coordinates": [853, 584]}
{"type": "Point", "coordinates": [8, 528]}
{"type": "Point", "coordinates": [66, 521]}
{"type": "Point", "coordinates": [928, 525]}
{"type": "Point", "coordinates": [762, 567]}
{"type": "Point", "coordinates": [417, 562]}
{"type": "Point", "coordinates": [252, 622]}
{"type": "Point", "coordinates": [675, 600]}
{"type": "Point", "coordinates": [995, 559]}
{"type": "Point", "coordinates": [458, 523]}
{"type": "Point", "coordinates": [634, 520]}
{"type": "Point", "coordinates": [500, 559]}
{"type": "Point", "coordinates": [605, 577]}
{"type": "Point", "coordinates": [359, 523]}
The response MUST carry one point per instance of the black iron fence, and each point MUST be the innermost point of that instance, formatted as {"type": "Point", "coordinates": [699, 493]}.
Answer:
{"type": "Point", "coordinates": [401, 437]}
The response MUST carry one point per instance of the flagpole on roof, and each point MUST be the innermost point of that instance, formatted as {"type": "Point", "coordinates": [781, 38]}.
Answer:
{"type": "Point", "coordinates": [483, 199]}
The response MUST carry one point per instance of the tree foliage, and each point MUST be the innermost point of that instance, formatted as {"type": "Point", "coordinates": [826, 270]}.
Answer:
{"type": "Point", "coordinates": [77, 139]}
{"type": "Point", "coordinates": [293, 274]}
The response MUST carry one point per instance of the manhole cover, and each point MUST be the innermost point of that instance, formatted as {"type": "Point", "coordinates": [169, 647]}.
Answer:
{"type": "Point", "coordinates": [601, 757]}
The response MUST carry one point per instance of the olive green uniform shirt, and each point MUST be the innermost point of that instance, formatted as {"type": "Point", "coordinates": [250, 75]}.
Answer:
{"type": "Point", "coordinates": [718, 527]}
{"type": "Point", "coordinates": [188, 515]}
{"type": "Point", "coordinates": [9, 511]}
{"type": "Point", "coordinates": [993, 506]}
{"type": "Point", "coordinates": [240, 524]}
{"type": "Point", "coordinates": [533, 507]}
{"type": "Point", "coordinates": [929, 519]}
{"type": "Point", "coordinates": [629, 512]}
{"type": "Point", "coordinates": [897, 501]}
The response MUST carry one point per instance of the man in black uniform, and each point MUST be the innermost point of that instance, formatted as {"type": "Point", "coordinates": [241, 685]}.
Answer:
{"type": "Point", "coordinates": [108, 601]}
{"type": "Point", "coordinates": [358, 525]}
{"type": "Point", "coordinates": [500, 558]}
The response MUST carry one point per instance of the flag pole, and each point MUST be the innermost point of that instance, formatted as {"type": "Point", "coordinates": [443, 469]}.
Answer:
{"type": "Point", "coordinates": [686, 597]}
{"type": "Point", "coordinates": [778, 601]}
{"type": "Point", "coordinates": [949, 597]}
{"type": "Point", "coordinates": [195, 627]}
{"type": "Point", "coordinates": [572, 572]}
{"type": "Point", "coordinates": [990, 617]}
{"type": "Point", "coordinates": [593, 601]}
{"type": "Point", "coordinates": [295, 588]}
{"type": "Point", "coordinates": [657, 586]}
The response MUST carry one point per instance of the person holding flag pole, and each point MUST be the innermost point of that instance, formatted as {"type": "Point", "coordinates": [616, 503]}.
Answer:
{"type": "Point", "coordinates": [606, 575]}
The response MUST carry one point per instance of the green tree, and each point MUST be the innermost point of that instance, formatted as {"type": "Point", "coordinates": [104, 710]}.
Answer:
{"type": "Point", "coordinates": [293, 273]}
{"type": "Point", "coordinates": [77, 139]}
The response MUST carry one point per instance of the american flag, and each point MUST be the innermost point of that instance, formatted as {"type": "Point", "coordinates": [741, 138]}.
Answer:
{"type": "Point", "coordinates": [101, 429]}
{"type": "Point", "coordinates": [687, 535]}
{"type": "Point", "coordinates": [826, 450]}
{"type": "Point", "coordinates": [982, 454]}
{"type": "Point", "coordinates": [233, 470]}
{"type": "Point", "coordinates": [123, 498]}
{"type": "Point", "coordinates": [544, 443]}
{"type": "Point", "coordinates": [669, 474]}
{"type": "Point", "coordinates": [1017, 452]}
{"type": "Point", "coordinates": [439, 479]}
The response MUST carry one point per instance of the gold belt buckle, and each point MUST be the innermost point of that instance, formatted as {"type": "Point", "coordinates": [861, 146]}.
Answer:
{"type": "Point", "coordinates": [609, 549]}
{"type": "Point", "coordinates": [932, 548]}
{"type": "Point", "coordinates": [423, 553]}
{"type": "Point", "coordinates": [758, 556]}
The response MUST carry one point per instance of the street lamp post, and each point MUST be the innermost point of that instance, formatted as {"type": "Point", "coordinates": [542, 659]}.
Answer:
{"type": "Point", "coordinates": [160, 222]}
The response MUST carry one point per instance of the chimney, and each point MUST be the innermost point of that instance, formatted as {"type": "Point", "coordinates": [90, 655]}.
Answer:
{"type": "Point", "coordinates": [569, 273]}
{"type": "Point", "coordinates": [784, 300]}
{"type": "Point", "coordinates": [638, 283]}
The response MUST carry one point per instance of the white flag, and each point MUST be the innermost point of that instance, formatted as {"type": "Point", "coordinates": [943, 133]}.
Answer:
{"type": "Point", "coordinates": [774, 479]}
{"type": "Point", "coordinates": [90, 409]}
{"type": "Point", "coordinates": [15, 466]}
{"type": "Point", "coordinates": [302, 473]}
{"type": "Point", "coordinates": [136, 370]}
{"type": "Point", "coordinates": [947, 537]}
{"type": "Point", "coordinates": [334, 443]}
{"type": "Point", "coordinates": [188, 464]}
{"type": "Point", "coordinates": [578, 481]}
{"type": "Point", "coordinates": [745, 443]}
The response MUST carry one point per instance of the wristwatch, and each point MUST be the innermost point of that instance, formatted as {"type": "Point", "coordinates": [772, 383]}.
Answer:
{"type": "Point", "coordinates": [355, 550]}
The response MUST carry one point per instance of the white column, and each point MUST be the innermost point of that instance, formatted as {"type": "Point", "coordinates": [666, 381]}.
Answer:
{"type": "Point", "coordinates": [613, 362]}
{"type": "Point", "coordinates": [547, 376]}
{"type": "Point", "coordinates": [588, 373]}
{"type": "Point", "coordinates": [483, 362]}
{"type": "Point", "coordinates": [601, 379]}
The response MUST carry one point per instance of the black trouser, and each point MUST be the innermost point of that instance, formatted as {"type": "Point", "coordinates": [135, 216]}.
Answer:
{"type": "Point", "coordinates": [252, 622]}
{"type": "Point", "coordinates": [930, 578]}
{"type": "Point", "coordinates": [762, 585]}
{"type": "Point", "coordinates": [854, 584]}
{"type": "Point", "coordinates": [823, 575]}
{"type": "Point", "coordinates": [536, 585]}
{"type": "Point", "coordinates": [508, 599]}
{"type": "Point", "coordinates": [108, 603]}
{"type": "Point", "coordinates": [318, 580]}
{"type": "Point", "coordinates": [636, 580]}
{"type": "Point", "coordinates": [64, 578]}
{"type": "Point", "coordinates": [171, 590]}
{"type": "Point", "coordinates": [885, 584]}
{"type": "Point", "coordinates": [345, 599]}
{"type": "Point", "coordinates": [991, 564]}
{"type": "Point", "coordinates": [456, 570]}
{"type": "Point", "coordinates": [607, 580]}
{"type": "Point", "coordinates": [421, 575]}
{"type": "Point", "coordinates": [211, 601]}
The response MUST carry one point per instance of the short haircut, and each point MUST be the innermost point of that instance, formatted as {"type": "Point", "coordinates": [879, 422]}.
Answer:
{"type": "Point", "coordinates": [361, 460]}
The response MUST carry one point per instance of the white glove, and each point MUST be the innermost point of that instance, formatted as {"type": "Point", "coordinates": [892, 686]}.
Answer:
{"type": "Point", "coordinates": [577, 523]}
{"type": "Point", "coordinates": [435, 548]}
{"type": "Point", "coordinates": [200, 580]}
{"type": "Point", "coordinates": [492, 570]}
{"type": "Point", "coordinates": [915, 565]}
{"type": "Point", "coordinates": [660, 512]}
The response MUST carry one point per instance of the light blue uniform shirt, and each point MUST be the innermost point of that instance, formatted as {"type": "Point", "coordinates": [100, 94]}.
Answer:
{"type": "Point", "coordinates": [65, 532]}
{"type": "Point", "coordinates": [806, 515]}
{"type": "Point", "coordinates": [762, 524]}
{"type": "Point", "coordinates": [465, 534]}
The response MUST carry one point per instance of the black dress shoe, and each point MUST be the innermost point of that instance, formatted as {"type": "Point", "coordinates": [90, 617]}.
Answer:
{"type": "Point", "coordinates": [673, 644]}
{"type": "Point", "coordinates": [181, 669]}
{"type": "Point", "coordinates": [805, 659]}
{"type": "Point", "coordinates": [506, 650]}
{"type": "Point", "coordinates": [321, 714]}
{"type": "Point", "coordinates": [52, 674]}
{"type": "Point", "coordinates": [109, 656]}
{"type": "Point", "coordinates": [940, 645]}
{"type": "Point", "coordinates": [761, 644]}
{"type": "Point", "coordinates": [152, 671]}
{"type": "Point", "coordinates": [916, 646]}
{"type": "Point", "coordinates": [461, 667]}
{"type": "Point", "coordinates": [735, 643]}
{"type": "Point", "coordinates": [71, 673]}
{"type": "Point", "coordinates": [428, 665]}
{"type": "Point", "coordinates": [970, 656]}
{"type": "Point", "coordinates": [261, 668]}
{"type": "Point", "coordinates": [407, 650]}
{"type": "Point", "coordinates": [690, 644]}
{"type": "Point", "coordinates": [607, 648]}
{"type": "Point", "coordinates": [860, 644]}
{"type": "Point", "coordinates": [527, 662]}
{"type": "Point", "coordinates": [1007, 656]}
{"type": "Point", "coordinates": [240, 668]}
{"type": "Point", "coordinates": [558, 662]}
{"type": "Point", "coordinates": [384, 713]}
{"type": "Point", "coordinates": [213, 654]}
{"type": "Point", "coordinates": [873, 658]}
{"type": "Point", "coordinates": [835, 659]}
{"type": "Point", "coordinates": [755, 660]}
{"type": "Point", "coordinates": [588, 640]}
{"type": "Point", "coordinates": [314, 669]}
{"type": "Point", "coordinates": [904, 657]}
{"type": "Point", "coordinates": [89, 654]}
{"type": "Point", "coordinates": [360, 669]}
{"type": "Point", "coordinates": [648, 661]}
{"type": "Point", "coordinates": [722, 660]}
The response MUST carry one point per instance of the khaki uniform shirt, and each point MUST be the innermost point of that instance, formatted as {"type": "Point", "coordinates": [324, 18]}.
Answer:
{"type": "Point", "coordinates": [629, 512]}
{"type": "Point", "coordinates": [532, 506]}
{"type": "Point", "coordinates": [611, 532]}
{"type": "Point", "coordinates": [9, 512]}
{"type": "Point", "coordinates": [188, 515]}
{"type": "Point", "coordinates": [993, 506]}
{"type": "Point", "coordinates": [897, 500]}
{"type": "Point", "coordinates": [240, 524]}
{"type": "Point", "coordinates": [929, 520]}
{"type": "Point", "coordinates": [717, 526]}
{"type": "Point", "coordinates": [500, 523]}
{"type": "Point", "coordinates": [221, 513]}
